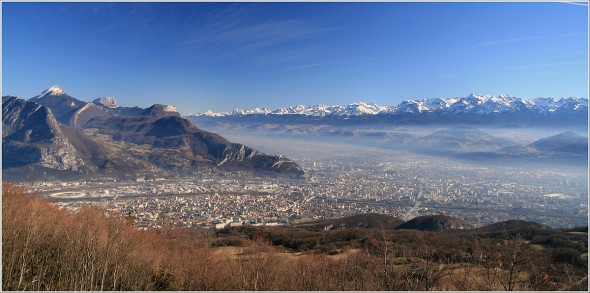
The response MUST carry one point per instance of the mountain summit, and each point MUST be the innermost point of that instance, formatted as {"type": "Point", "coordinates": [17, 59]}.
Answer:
{"type": "Point", "coordinates": [52, 91]}
{"type": "Point", "coordinates": [60, 103]}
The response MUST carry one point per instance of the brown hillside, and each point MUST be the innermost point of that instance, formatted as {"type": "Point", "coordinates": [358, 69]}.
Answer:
{"type": "Point", "coordinates": [45, 249]}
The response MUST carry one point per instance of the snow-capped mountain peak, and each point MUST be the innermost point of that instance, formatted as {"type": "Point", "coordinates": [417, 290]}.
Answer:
{"type": "Point", "coordinates": [240, 112]}
{"type": "Point", "coordinates": [52, 91]}
{"type": "Point", "coordinates": [471, 104]}
{"type": "Point", "coordinates": [110, 102]}
{"type": "Point", "coordinates": [476, 97]}
{"type": "Point", "coordinates": [169, 108]}
{"type": "Point", "coordinates": [210, 113]}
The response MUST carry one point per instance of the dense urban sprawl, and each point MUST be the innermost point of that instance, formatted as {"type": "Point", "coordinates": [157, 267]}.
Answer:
{"type": "Point", "coordinates": [333, 188]}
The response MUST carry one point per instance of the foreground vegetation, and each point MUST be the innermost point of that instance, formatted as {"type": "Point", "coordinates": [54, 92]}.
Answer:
{"type": "Point", "coordinates": [44, 248]}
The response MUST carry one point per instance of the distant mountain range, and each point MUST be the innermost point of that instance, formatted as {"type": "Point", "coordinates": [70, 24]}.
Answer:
{"type": "Point", "coordinates": [57, 132]}
{"type": "Point", "coordinates": [400, 126]}
{"type": "Point", "coordinates": [475, 108]}
{"type": "Point", "coordinates": [567, 147]}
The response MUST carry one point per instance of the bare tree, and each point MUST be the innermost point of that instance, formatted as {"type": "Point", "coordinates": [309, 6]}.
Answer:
{"type": "Point", "coordinates": [513, 261]}
{"type": "Point", "coordinates": [257, 266]}
{"type": "Point", "coordinates": [384, 251]}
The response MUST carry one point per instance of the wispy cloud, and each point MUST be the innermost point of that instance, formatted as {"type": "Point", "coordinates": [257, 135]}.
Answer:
{"type": "Point", "coordinates": [547, 64]}
{"type": "Point", "coordinates": [331, 63]}
{"type": "Point", "coordinates": [522, 39]}
{"type": "Point", "coordinates": [575, 3]}
{"type": "Point", "coordinates": [298, 53]}
{"type": "Point", "coordinates": [234, 31]}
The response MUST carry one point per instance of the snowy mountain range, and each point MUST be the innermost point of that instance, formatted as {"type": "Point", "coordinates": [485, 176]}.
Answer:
{"type": "Point", "coordinates": [474, 103]}
{"type": "Point", "coordinates": [474, 108]}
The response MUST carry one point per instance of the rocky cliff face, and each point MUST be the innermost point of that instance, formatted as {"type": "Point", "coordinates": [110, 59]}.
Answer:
{"type": "Point", "coordinates": [32, 135]}
{"type": "Point", "coordinates": [239, 154]}
{"type": "Point", "coordinates": [190, 145]}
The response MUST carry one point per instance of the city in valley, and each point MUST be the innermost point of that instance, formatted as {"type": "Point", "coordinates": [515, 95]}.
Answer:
{"type": "Point", "coordinates": [337, 184]}
{"type": "Point", "coordinates": [296, 146]}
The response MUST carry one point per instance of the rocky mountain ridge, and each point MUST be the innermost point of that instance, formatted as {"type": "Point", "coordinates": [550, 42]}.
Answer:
{"type": "Point", "coordinates": [101, 137]}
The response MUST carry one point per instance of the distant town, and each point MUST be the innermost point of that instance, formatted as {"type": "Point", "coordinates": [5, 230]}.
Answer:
{"type": "Point", "coordinates": [215, 199]}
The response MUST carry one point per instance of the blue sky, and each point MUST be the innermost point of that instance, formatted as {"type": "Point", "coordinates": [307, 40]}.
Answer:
{"type": "Point", "coordinates": [222, 56]}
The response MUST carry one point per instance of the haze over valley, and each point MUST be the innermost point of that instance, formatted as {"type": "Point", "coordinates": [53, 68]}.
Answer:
{"type": "Point", "coordinates": [295, 146]}
{"type": "Point", "coordinates": [121, 157]}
